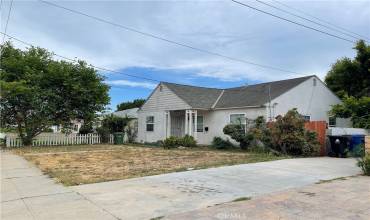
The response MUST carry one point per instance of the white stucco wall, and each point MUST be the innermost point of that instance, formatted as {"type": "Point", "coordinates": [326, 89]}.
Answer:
{"type": "Point", "coordinates": [216, 120]}
{"type": "Point", "coordinates": [311, 100]}
{"type": "Point", "coordinates": [159, 132]}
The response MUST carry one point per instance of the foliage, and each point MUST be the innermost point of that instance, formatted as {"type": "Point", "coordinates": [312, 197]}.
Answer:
{"type": "Point", "coordinates": [114, 123]}
{"type": "Point", "coordinates": [222, 144]}
{"type": "Point", "coordinates": [238, 133]}
{"type": "Point", "coordinates": [289, 136]}
{"type": "Point", "coordinates": [351, 77]}
{"type": "Point", "coordinates": [172, 142]}
{"type": "Point", "coordinates": [38, 92]}
{"type": "Point", "coordinates": [364, 164]}
{"type": "Point", "coordinates": [104, 134]}
{"type": "Point", "coordinates": [188, 141]}
{"type": "Point", "coordinates": [356, 108]}
{"type": "Point", "coordinates": [137, 103]}
{"type": "Point", "coordinates": [131, 131]}
{"type": "Point", "coordinates": [86, 128]}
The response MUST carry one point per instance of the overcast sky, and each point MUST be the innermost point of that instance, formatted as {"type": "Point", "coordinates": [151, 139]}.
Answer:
{"type": "Point", "coordinates": [222, 27]}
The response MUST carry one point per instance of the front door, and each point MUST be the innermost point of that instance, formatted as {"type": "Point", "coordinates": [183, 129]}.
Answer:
{"type": "Point", "coordinates": [177, 123]}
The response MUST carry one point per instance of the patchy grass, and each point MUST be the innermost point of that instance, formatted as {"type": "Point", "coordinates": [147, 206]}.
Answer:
{"type": "Point", "coordinates": [242, 199]}
{"type": "Point", "coordinates": [74, 165]}
{"type": "Point", "coordinates": [331, 180]}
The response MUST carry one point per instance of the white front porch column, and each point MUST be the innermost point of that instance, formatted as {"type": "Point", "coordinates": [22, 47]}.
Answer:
{"type": "Point", "coordinates": [190, 123]}
{"type": "Point", "coordinates": [186, 122]}
{"type": "Point", "coordinates": [168, 124]}
{"type": "Point", "coordinates": [195, 124]}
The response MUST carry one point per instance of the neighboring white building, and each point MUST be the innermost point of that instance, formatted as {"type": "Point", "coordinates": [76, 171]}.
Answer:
{"type": "Point", "coordinates": [75, 127]}
{"type": "Point", "coordinates": [129, 113]}
{"type": "Point", "coordinates": [176, 110]}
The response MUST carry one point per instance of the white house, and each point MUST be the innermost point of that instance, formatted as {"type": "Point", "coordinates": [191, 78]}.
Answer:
{"type": "Point", "coordinates": [176, 110]}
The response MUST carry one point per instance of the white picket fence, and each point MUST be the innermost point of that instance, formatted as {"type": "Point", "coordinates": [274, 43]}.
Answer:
{"type": "Point", "coordinates": [57, 139]}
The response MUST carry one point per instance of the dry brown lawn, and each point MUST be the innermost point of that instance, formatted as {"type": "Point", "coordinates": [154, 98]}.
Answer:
{"type": "Point", "coordinates": [75, 165]}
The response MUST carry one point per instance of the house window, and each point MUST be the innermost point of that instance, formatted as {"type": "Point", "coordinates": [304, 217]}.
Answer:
{"type": "Point", "coordinates": [332, 122]}
{"type": "Point", "coordinates": [314, 82]}
{"type": "Point", "coordinates": [149, 123]}
{"type": "Point", "coordinates": [306, 117]}
{"type": "Point", "coordinates": [238, 119]}
{"type": "Point", "coordinates": [199, 123]}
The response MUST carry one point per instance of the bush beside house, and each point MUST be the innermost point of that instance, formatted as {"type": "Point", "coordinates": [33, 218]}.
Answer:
{"type": "Point", "coordinates": [364, 164]}
{"type": "Point", "coordinates": [286, 135]}
{"type": "Point", "coordinates": [172, 142]}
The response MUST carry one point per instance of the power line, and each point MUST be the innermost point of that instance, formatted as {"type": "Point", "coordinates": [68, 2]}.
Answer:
{"type": "Point", "coordinates": [306, 19]}
{"type": "Point", "coordinates": [319, 19]}
{"type": "Point", "coordinates": [76, 61]}
{"type": "Point", "coordinates": [168, 40]}
{"type": "Point", "coordinates": [293, 22]}
{"type": "Point", "coordinates": [7, 20]}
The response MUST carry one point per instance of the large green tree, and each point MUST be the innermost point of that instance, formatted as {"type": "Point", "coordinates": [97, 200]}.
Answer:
{"type": "Point", "coordinates": [350, 80]}
{"type": "Point", "coordinates": [37, 91]}
{"type": "Point", "coordinates": [351, 77]}
{"type": "Point", "coordinates": [136, 103]}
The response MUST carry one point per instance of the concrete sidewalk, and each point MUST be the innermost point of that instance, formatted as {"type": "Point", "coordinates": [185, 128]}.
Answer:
{"type": "Point", "coordinates": [28, 194]}
{"type": "Point", "coordinates": [162, 195]}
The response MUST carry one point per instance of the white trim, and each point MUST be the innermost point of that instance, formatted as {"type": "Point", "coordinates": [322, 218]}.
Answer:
{"type": "Point", "coordinates": [219, 97]}
{"type": "Point", "coordinates": [196, 128]}
{"type": "Point", "coordinates": [251, 106]}
{"type": "Point", "coordinates": [236, 113]}
{"type": "Point", "coordinates": [146, 123]}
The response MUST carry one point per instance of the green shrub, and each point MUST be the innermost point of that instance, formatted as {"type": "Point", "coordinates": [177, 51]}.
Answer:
{"type": "Point", "coordinates": [86, 129]}
{"type": "Point", "coordinates": [289, 136]}
{"type": "Point", "coordinates": [104, 134]}
{"type": "Point", "coordinates": [364, 164]}
{"type": "Point", "coordinates": [188, 141]}
{"type": "Point", "coordinates": [238, 133]}
{"type": "Point", "coordinates": [172, 142]}
{"type": "Point", "coordinates": [220, 143]}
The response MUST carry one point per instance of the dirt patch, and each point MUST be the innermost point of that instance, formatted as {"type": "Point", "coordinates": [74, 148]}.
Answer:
{"type": "Point", "coordinates": [73, 167]}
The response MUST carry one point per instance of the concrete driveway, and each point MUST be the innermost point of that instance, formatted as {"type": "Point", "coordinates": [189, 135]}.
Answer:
{"type": "Point", "coordinates": [162, 195]}
{"type": "Point", "coordinates": [340, 199]}
{"type": "Point", "coordinates": [27, 194]}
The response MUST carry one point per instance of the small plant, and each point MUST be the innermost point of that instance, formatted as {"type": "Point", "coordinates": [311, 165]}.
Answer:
{"type": "Point", "coordinates": [172, 142]}
{"type": "Point", "coordinates": [241, 199]}
{"type": "Point", "coordinates": [364, 164]}
{"type": "Point", "coordinates": [220, 143]}
{"type": "Point", "coordinates": [188, 141]}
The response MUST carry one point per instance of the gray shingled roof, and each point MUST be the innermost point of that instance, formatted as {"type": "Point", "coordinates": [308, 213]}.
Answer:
{"type": "Point", "coordinates": [196, 97]}
{"type": "Point", "coordinates": [251, 95]}
{"type": "Point", "coordinates": [130, 113]}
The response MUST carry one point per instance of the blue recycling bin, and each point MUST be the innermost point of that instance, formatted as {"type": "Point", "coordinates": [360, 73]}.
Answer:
{"type": "Point", "coordinates": [356, 145]}
{"type": "Point", "coordinates": [356, 140]}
